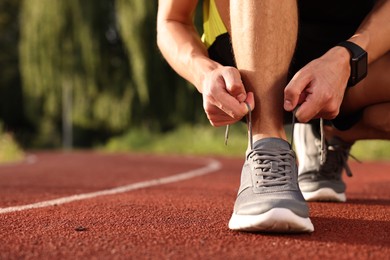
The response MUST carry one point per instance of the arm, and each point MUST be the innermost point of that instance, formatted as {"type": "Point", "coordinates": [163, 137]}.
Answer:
{"type": "Point", "coordinates": [320, 86]}
{"type": "Point", "coordinates": [179, 41]}
{"type": "Point", "coordinates": [373, 35]}
{"type": "Point", "coordinates": [221, 87]}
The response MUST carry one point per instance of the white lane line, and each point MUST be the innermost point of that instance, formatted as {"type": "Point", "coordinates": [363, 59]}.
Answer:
{"type": "Point", "coordinates": [212, 166]}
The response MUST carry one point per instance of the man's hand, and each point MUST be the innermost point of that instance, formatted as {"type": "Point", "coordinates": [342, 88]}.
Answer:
{"type": "Point", "coordinates": [319, 86]}
{"type": "Point", "coordinates": [224, 96]}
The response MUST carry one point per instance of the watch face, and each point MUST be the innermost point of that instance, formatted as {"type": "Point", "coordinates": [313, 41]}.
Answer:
{"type": "Point", "coordinates": [358, 69]}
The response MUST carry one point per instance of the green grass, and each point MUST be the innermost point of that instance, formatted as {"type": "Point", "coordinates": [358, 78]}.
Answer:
{"type": "Point", "coordinates": [189, 140]}
{"type": "Point", "coordinates": [372, 150]}
{"type": "Point", "coordinates": [9, 149]}
{"type": "Point", "coordinates": [207, 140]}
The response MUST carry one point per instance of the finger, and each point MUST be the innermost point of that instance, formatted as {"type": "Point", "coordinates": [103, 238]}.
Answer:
{"type": "Point", "coordinates": [220, 118]}
{"type": "Point", "coordinates": [307, 110]}
{"type": "Point", "coordinates": [232, 106]}
{"type": "Point", "coordinates": [221, 105]}
{"type": "Point", "coordinates": [294, 88]}
{"type": "Point", "coordinates": [234, 84]}
{"type": "Point", "coordinates": [250, 100]}
{"type": "Point", "coordinates": [302, 97]}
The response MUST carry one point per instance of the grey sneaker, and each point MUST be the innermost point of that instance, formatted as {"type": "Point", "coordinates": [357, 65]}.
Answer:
{"type": "Point", "coordinates": [269, 198]}
{"type": "Point", "coordinates": [321, 182]}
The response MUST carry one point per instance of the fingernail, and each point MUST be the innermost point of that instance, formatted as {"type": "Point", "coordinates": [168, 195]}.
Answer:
{"type": "Point", "coordinates": [248, 107]}
{"type": "Point", "coordinates": [287, 105]}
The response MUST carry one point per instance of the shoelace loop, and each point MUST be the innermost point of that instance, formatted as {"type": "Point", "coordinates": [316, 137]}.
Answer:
{"type": "Point", "coordinates": [339, 157]}
{"type": "Point", "coordinates": [271, 167]}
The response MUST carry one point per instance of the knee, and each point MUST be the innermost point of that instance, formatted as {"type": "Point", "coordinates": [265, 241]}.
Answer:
{"type": "Point", "coordinates": [378, 117]}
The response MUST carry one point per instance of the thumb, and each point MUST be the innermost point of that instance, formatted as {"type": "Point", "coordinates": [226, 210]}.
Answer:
{"type": "Point", "coordinates": [250, 99]}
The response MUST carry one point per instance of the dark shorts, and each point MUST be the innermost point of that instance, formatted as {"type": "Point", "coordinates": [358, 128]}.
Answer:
{"type": "Point", "coordinates": [322, 24]}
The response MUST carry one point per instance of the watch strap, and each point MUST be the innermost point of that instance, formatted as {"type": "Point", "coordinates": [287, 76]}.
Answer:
{"type": "Point", "coordinates": [355, 49]}
{"type": "Point", "coordinates": [358, 62]}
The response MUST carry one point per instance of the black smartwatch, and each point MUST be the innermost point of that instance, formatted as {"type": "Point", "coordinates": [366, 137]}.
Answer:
{"type": "Point", "coordinates": [358, 62]}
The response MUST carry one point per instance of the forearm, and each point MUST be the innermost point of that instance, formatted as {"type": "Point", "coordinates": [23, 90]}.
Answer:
{"type": "Point", "coordinates": [182, 48]}
{"type": "Point", "coordinates": [373, 35]}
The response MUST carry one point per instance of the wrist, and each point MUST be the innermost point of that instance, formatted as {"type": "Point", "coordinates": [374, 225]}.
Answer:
{"type": "Point", "coordinates": [343, 54]}
{"type": "Point", "coordinates": [358, 62]}
{"type": "Point", "coordinates": [206, 66]}
{"type": "Point", "coordinates": [360, 39]}
{"type": "Point", "coordinates": [343, 57]}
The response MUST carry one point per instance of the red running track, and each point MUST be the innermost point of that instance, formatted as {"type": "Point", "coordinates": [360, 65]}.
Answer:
{"type": "Point", "coordinates": [184, 219]}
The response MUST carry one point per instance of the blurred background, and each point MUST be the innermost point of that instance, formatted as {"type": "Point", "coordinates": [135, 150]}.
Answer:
{"type": "Point", "coordinates": [77, 73]}
{"type": "Point", "coordinates": [88, 75]}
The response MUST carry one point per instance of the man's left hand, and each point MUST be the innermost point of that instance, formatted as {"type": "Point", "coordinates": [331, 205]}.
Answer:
{"type": "Point", "coordinates": [319, 86]}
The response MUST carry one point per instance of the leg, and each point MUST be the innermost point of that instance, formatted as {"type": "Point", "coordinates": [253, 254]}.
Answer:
{"type": "Point", "coordinates": [372, 90]}
{"type": "Point", "coordinates": [264, 35]}
{"type": "Point", "coordinates": [375, 124]}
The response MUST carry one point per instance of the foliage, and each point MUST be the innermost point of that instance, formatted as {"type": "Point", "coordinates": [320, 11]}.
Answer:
{"type": "Point", "coordinates": [99, 61]}
{"type": "Point", "coordinates": [11, 105]}
{"type": "Point", "coordinates": [372, 150]}
{"type": "Point", "coordinates": [165, 100]}
{"type": "Point", "coordinates": [64, 49]}
{"type": "Point", "coordinates": [10, 151]}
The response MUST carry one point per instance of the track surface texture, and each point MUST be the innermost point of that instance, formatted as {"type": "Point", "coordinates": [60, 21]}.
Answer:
{"type": "Point", "coordinates": [180, 219]}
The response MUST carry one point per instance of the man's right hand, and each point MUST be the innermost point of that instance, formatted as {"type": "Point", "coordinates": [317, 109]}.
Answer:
{"type": "Point", "coordinates": [224, 96]}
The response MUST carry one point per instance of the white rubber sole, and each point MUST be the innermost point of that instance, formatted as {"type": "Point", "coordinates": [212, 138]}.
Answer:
{"type": "Point", "coordinates": [324, 194]}
{"type": "Point", "coordinates": [275, 220]}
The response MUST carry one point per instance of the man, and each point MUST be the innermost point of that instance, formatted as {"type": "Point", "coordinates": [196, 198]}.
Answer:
{"type": "Point", "coordinates": [267, 50]}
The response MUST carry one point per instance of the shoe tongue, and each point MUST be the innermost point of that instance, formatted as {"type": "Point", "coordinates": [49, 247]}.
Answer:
{"type": "Point", "coordinates": [271, 144]}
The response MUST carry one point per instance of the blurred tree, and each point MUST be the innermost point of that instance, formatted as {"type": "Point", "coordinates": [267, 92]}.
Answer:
{"type": "Point", "coordinates": [11, 105]}
{"type": "Point", "coordinates": [99, 58]}
{"type": "Point", "coordinates": [166, 100]}
{"type": "Point", "coordinates": [72, 47]}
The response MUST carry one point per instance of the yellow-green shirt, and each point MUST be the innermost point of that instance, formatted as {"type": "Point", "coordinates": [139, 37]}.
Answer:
{"type": "Point", "coordinates": [212, 23]}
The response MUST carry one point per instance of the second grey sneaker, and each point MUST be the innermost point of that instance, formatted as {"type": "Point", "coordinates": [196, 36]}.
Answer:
{"type": "Point", "coordinates": [269, 198]}
{"type": "Point", "coordinates": [321, 182]}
